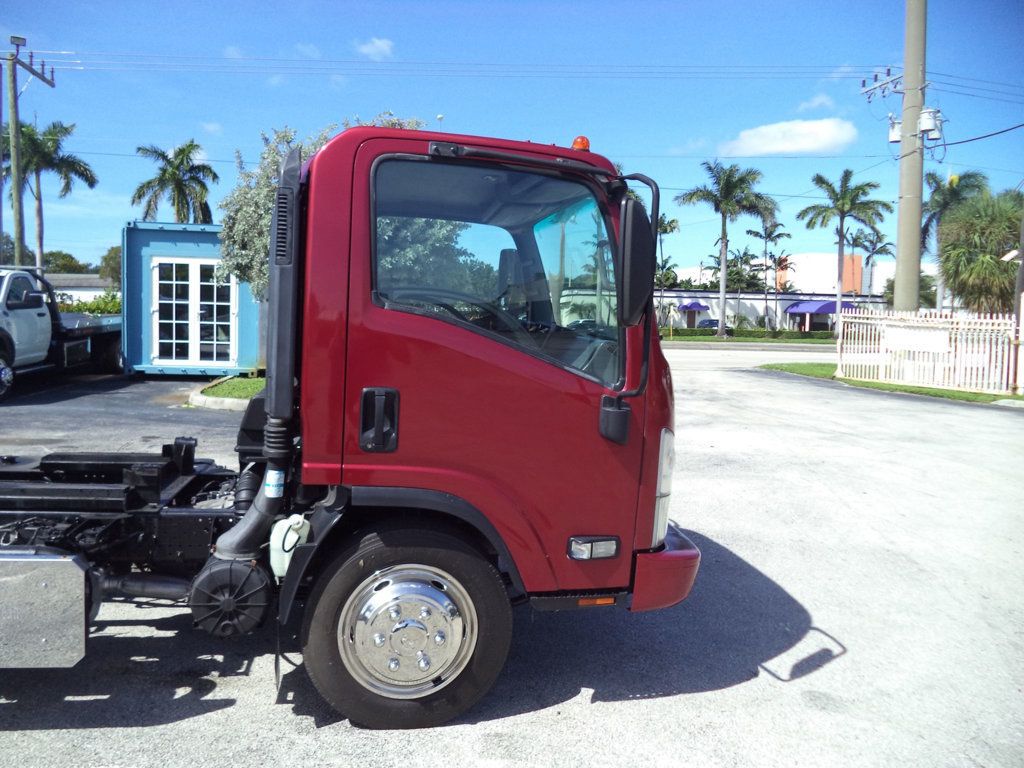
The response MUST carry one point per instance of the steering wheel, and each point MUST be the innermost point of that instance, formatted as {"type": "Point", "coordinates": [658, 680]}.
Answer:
{"type": "Point", "coordinates": [441, 297]}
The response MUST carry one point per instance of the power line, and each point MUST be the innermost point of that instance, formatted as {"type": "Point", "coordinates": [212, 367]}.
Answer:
{"type": "Point", "coordinates": [977, 95]}
{"type": "Point", "coordinates": [985, 136]}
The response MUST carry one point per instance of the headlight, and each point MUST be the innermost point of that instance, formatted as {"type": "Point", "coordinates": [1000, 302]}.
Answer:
{"type": "Point", "coordinates": [663, 494]}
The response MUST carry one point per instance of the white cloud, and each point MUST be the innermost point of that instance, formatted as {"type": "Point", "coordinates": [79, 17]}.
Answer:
{"type": "Point", "coordinates": [821, 100]}
{"type": "Point", "coordinates": [792, 137]}
{"type": "Point", "coordinates": [275, 80]}
{"type": "Point", "coordinates": [376, 48]}
{"type": "Point", "coordinates": [214, 128]}
{"type": "Point", "coordinates": [308, 50]}
{"type": "Point", "coordinates": [200, 155]}
{"type": "Point", "coordinates": [233, 52]}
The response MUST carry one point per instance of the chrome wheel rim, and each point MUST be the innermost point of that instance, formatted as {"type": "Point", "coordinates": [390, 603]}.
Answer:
{"type": "Point", "coordinates": [407, 631]}
{"type": "Point", "coordinates": [6, 376]}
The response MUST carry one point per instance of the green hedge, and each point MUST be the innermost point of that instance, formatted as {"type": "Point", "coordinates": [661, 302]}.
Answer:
{"type": "Point", "coordinates": [109, 303]}
{"type": "Point", "coordinates": [746, 333]}
{"type": "Point", "coordinates": [761, 333]}
{"type": "Point", "coordinates": [689, 332]}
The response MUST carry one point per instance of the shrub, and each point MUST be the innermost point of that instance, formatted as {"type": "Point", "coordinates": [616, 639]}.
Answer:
{"type": "Point", "coordinates": [107, 304]}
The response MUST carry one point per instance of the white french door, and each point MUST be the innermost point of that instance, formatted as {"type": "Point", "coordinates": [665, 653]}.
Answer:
{"type": "Point", "coordinates": [195, 315]}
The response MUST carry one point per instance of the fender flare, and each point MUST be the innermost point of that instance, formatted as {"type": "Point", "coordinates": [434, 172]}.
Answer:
{"type": "Point", "coordinates": [332, 512]}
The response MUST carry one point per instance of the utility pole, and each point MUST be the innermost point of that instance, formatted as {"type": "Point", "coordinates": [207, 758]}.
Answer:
{"type": "Point", "coordinates": [908, 224]}
{"type": "Point", "coordinates": [17, 188]}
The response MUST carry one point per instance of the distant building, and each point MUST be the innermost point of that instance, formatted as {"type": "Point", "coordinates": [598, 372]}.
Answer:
{"type": "Point", "coordinates": [180, 315]}
{"type": "Point", "coordinates": [79, 287]}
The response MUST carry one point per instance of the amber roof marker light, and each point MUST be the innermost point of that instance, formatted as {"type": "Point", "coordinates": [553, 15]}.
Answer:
{"type": "Point", "coordinates": [582, 143]}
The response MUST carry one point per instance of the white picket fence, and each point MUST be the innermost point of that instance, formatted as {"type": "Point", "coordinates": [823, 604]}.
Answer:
{"type": "Point", "coordinates": [975, 353]}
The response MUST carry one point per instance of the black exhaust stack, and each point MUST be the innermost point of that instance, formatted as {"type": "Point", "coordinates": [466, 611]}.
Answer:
{"type": "Point", "coordinates": [242, 542]}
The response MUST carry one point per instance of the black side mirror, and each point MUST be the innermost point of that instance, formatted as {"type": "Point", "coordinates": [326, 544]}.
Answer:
{"type": "Point", "coordinates": [638, 263]}
{"type": "Point", "coordinates": [34, 300]}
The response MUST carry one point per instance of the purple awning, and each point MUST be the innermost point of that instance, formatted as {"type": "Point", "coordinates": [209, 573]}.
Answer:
{"type": "Point", "coordinates": [692, 306]}
{"type": "Point", "coordinates": [816, 307]}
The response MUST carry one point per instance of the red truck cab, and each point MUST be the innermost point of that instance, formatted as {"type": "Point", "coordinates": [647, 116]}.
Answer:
{"type": "Point", "coordinates": [465, 349]}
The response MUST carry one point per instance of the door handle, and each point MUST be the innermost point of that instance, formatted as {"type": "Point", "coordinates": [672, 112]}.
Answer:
{"type": "Point", "coordinates": [378, 420]}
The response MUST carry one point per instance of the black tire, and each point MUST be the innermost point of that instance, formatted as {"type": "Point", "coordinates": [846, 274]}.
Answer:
{"type": "Point", "coordinates": [420, 562]}
{"type": "Point", "coordinates": [6, 372]}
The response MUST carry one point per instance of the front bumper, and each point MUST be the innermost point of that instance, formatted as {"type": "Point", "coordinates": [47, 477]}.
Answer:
{"type": "Point", "coordinates": [665, 577]}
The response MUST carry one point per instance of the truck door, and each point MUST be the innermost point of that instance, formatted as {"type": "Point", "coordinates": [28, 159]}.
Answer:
{"type": "Point", "coordinates": [29, 321]}
{"type": "Point", "coordinates": [482, 337]}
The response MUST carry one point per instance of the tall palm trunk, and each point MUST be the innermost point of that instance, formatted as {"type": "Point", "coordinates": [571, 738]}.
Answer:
{"type": "Point", "coordinates": [39, 220]}
{"type": "Point", "coordinates": [940, 284]}
{"type": "Point", "coordinates": [839, 277]}
{"type": "Point", "coordinates": [723, 267]}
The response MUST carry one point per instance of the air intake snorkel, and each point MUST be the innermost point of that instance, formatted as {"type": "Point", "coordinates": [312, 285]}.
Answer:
{"type": "Point", "coordinates": [242, 542]}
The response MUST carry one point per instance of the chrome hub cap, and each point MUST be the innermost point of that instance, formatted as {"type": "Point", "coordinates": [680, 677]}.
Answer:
{"type": "Point", "coordinates": [6, 376]}
{"type": "Point", "coordinates": [407, 631]}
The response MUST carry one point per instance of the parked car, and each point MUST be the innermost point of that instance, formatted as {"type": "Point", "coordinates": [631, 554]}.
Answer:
{"type": "Point", "coordinates": [708, 322]}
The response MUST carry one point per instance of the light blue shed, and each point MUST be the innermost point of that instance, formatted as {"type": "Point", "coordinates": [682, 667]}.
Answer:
{"type": "Point", "coordinates": [179, 318]}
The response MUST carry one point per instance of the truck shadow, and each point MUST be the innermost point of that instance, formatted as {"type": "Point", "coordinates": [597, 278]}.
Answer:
{"type": "Point", "coordinates": [51, 388]}
{"type": "Point", "coordinates": [736, 624]}
{"type": "Point", "coordinates": [133, 680]}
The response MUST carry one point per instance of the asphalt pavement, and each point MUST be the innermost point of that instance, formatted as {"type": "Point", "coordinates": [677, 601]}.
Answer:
{"type": "Point", "coordinates": [858, 604]}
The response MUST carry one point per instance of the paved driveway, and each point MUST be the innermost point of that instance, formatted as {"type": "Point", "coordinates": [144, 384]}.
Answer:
{"type": "Point", "coordinates": [858, 604]}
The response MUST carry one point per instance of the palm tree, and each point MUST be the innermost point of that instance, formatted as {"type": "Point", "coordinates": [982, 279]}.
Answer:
{"type": "Point", "coordinates": [731, 194]}
{"type": "Point", "coordinates": [179, 177]}
{"type": "Point", "coordinates": [849, 201]}
{"type": "Point", "coordinates": [770, 233]}
{"type": "Point", "coordinates": [943, 197]}
{"type": "Point", "coordinates": [874, 244]}
{"type": "Point", "coordinates": [975, 236]}
{"type": "Point", "coordinates": [41, 152]}
{"type": "Point", "coordinates": [781, 262]}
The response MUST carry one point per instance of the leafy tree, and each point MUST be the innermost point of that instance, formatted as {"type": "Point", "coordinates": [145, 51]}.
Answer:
{"type": "Point", "coordinates": [245, 236]}
{"type": "Point", "coordinates": [181, 178]}
{"type": "Point", "coordinates": [926, 289]}
{"type": "Point", "coordinates": [731, 194]}
{"type": "Point", "coordinates": [43, 152]}
{"type": "Point", "coordinates": [848, 201]}
{"type": "Point", "coordinates": [944, 196]}
{"type": "Point", "coordinates": [63, 262]}
{"type": "Point", "coordinates": [7, 251]}
{"type": "Point", "coordinates": [975, 236]}
{"type": "Point", "coordinates": [110, 266]}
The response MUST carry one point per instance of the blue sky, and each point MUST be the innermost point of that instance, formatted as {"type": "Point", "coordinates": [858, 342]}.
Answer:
{"type": "Point", "coordinates": [656, 86]}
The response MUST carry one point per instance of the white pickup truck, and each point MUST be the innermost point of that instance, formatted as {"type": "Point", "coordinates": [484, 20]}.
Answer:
{"type": "Point", "coordinates": [36, 336]}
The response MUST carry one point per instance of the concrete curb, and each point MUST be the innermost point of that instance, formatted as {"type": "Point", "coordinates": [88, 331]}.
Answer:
{"type": "Point", "coordinates": [197, 399]}
{"type": "Point", "coordinates": [748, 345]}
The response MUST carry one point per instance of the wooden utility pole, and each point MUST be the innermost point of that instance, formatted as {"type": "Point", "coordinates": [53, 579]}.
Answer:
{"type": "Point", "coordinates": [908, 224]}
{"type": "Point", "coordinates": [18, 187]}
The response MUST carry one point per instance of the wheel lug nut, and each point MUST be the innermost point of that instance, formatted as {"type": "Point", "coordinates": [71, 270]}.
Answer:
{"type": "Point", "coordinates": [393, 665]}
{"type": "Point", "coordinates": [424, 662]}
{"type": "Point", "coordinates": [424, 612]}
{"type": "Point", "coordinates": [439, 638]}
{"type": "Point", "coordinates": [378, 639]}
{"type": "Point", "coordinates": [395, 612]}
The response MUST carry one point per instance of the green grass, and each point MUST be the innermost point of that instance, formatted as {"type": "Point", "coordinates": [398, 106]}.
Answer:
{"type": "Point", "coordinates": [828, 371]}
{"type": "Point", "coordinates": [744, 340]}
{"type": "Point", "coordinates": [241, 388]}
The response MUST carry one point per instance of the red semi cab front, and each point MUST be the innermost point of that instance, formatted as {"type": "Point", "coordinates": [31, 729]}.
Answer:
{"type": "Point", "coordinates": [504, 422]}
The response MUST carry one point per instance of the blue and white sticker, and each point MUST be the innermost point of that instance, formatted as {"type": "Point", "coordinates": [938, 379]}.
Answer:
{"type": "Point", "coordinates": [273, 483]}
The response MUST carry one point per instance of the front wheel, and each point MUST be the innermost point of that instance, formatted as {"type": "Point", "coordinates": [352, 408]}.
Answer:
{"type": "Point", "coordinates": [6, 373]}
{"type": "Point", "coordinates": [406, 629]}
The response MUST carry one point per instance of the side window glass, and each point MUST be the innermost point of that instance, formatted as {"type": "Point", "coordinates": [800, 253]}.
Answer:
{"type": "Point", "coordinates": [524, 257]}
{"type": "Point", "coordinates": [18, 292]}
